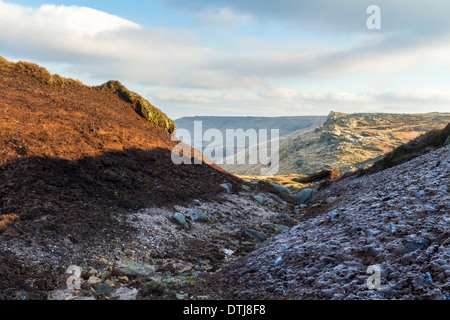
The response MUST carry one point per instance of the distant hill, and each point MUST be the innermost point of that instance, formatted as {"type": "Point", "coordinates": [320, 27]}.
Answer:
{"type": "Point", "coordinates": [348, 142]}
{"type": "Point", "coordinates": [287, 126]}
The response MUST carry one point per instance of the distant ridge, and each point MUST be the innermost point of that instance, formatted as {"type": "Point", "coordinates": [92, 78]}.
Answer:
{"type": "Point", "coordinates": [348, 142]}
{"type": "Point", "coordinates": [287, 126]}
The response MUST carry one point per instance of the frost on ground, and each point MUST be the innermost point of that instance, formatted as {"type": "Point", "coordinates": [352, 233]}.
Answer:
{"type": "Point", "coordinates": [397, 219]}
{"type": "Point", "coordinates": [154, 246]}
{"type": "Point", "coordinates": [214, 239]}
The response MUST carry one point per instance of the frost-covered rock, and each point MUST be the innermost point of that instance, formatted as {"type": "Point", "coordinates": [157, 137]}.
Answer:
{"type": "Point", "coordinates": [260, 236]}
{"type": "Point", "coordinates": [276, 198]}
{"type": "Point", "coordinates": [181, 220]}
{"type": "Point", "coordinates": [197, 215]}
{"type": "Point", "coordinates": [259, 199]}
{"type": "Point", "coordinates": [282, 189]}
{"type": "Point", "coordinates": [303, 196]}
{"type": "Point", "coordinates": [227, 186]}
{"type": "Point", "coordinates": [397, 219]}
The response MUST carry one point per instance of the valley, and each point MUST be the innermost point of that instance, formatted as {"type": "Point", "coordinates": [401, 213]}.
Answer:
{"type": "Point", "coordinates": [92, 206]}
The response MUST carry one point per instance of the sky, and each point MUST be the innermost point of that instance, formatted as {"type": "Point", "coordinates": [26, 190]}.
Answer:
{"type": "Point", "coordinates": [244, 58]}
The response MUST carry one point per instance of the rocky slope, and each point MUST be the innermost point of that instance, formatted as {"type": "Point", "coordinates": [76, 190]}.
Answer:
{"type": "Point", "coordinates": [397, 219]}
{"type": "Point", "coordinates": [348, 142]}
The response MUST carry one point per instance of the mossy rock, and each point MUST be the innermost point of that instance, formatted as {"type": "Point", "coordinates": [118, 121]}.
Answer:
{"type": "Point", "coordinates": [153, 288]}
{"type": "Point", "coordinates": [160, 287]}
{"type": "Point", "coordinates": [141, 105]}
{"type": "Point", "coordinates": [447, 141]}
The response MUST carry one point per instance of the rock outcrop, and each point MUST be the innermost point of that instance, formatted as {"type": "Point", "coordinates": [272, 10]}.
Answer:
{"type": "Point", "coordinates": [348, 142]}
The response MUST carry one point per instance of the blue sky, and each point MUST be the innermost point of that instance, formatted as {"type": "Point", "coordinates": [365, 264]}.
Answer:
{"type": "Point", "coordinates": [253, 57]}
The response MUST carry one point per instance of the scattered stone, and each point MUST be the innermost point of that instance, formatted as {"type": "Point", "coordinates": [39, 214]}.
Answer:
{"type": "Point", "coordinates": [286, 216]}
{"type": "Point", "coordinates": [447, 220]}
{"type": "Point", "coordinates": [227, 186]}
{"type": "Point", "coordinates": [182, 267]}
{"type": "Point", "coordinates": [266, 223]}
{"type": "Point", "coordinates": [332, 215]}
{"type": "Point", "coordinates": [93, 280]}
{"type": "Point", "coordinates": [277, 198]}
{"type": "Point", "coordinates": [281, 227]}
{"type": "Point", "coordinates": [416, 245]}
{"type": "Point", "coordinates": [153, 287]}
{"type": "Point", "coordinates": [92, 271]}
{"type": "Point", "coordinates": [274, 220]}
{"type": "Point", "coordinates": [393, 228]}
{"type": "Point", "coordinates": [373, 232]}
{"type": "Point", "coordinates": [259, 199]}
{"type": "Point", "coordinates": [303, 197]}
{"type": "Point", "coordinates": [182, 296]}
{"type": "Point", "coordinates": [132, 268]}
{"type": "Point", "coordinates": [260, 236]}
{"type": "Point", "coordinates": [181, 220]}
{"type": "Point", "coordinates": [282, 189]}
{"type": "Point", "coordinates": [185, 274]}
{"type": "Point", "coordinates": [447, 141]}
{"type": "Point", "coordinates": [197, 215]}
{"type": "Point", "coordinates": [109, 283]}
{"type": "Point", "coordinates": [105, 289]}
{"type": "Point", "coordinates": [228, 253]}
{"type": "Point", "coordinates": [437, 294]}
{"type": "Point", "coordinates": [278, 261]}
{"type": "Point", "coordinates": [252, 270]}
{"type": "Point", "coordinates": [331, 200]}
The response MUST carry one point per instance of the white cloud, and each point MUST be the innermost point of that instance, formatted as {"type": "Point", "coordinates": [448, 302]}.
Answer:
{"type": "Point", "coordinates": [108, 46]}
{"type": "Point", "coordinates": [290, 102]}
{"type": "Point", "coordinates": [336, 17]}
{"type": "Point", "coordinates": [415, 96]}
{"type": "Point", "coordinates": [51, 20]}
{"type": "Point", "coordinates": [79, 20]}
{"type": "Point", "coordinates": [225, 16]}
{"type": "Point", "coordinates": [184, 97]}
{"type": "Point", "coordinates": [61, 33]}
